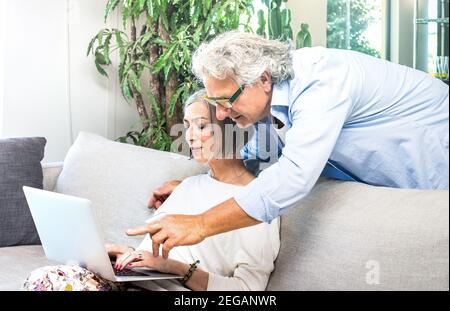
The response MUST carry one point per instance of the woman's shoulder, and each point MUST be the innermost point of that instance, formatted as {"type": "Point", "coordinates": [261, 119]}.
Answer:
{"type": "Point", "coordinates": [189, 184]}
{"type": "Point", "coordinates": [195, 179]}
{"type": "Point", "coordinates": [205, 181]}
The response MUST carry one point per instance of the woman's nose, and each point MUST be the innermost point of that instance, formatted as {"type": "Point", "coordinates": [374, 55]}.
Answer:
{"type": "Point", "coordinates": [191, 134]}
{"type": "Point", "coordinates": [222, 112]}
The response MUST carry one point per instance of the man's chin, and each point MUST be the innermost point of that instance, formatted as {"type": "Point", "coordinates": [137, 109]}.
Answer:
{"type": "Point", "coordinates": [243, 124]}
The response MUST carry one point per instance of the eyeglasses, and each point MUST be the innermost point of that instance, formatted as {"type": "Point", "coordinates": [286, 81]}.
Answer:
{"type": "Point", "coordinates": [225, 102]}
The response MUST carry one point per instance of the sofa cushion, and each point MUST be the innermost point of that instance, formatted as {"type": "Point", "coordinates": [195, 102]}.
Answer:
{"type": "Point", "coordinates": [118, 178]}
{"type": "Point", "coordinates": [351, 236]}
{"type": "Point", "coordinates": [17, 262]}
{"type": "Point", "coordinates": [20, 165]}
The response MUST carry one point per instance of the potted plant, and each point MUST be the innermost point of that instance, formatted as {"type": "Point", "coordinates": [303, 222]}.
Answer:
{"type": "Point", "coordinates": [155, 48]}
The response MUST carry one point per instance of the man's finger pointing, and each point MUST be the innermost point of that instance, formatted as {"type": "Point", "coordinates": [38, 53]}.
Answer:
{"type": "Point", "coordinates": [150, 228]}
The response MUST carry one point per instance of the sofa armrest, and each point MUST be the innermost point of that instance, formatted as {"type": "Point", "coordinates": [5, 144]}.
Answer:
{"type": "Point", "coordinates": [51, 172]}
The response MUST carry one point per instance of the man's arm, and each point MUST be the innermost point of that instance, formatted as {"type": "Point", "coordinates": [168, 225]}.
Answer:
{"type": "Point", "coordinates": [224, 217]}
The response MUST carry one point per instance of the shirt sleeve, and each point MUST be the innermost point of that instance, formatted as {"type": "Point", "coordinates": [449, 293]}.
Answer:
{"type": "Point", "coordinates": [254, 259]}
{"type": "Point", "coordinates": [318, 115]}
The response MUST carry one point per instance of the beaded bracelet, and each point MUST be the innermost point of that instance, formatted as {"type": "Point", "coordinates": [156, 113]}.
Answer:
{"type": "Point", "coordinates": [191, 270]}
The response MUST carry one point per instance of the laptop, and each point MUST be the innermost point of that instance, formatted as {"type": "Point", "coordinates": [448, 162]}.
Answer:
{"type": "Point", "coordinates": [70, 235]}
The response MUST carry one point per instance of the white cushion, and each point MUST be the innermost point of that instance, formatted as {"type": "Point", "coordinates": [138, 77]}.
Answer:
{"type": "Point", "coordinates": [119, 178]}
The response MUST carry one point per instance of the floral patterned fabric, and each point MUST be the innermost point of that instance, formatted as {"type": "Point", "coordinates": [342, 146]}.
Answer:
{"type": "Point", "coordinates": [68, 278]}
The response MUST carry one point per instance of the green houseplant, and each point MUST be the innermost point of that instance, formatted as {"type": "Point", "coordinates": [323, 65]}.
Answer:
{"type": "Point", "coordinates": [276, 19]}
{"type": "Point", "coordinates": [155, 48]}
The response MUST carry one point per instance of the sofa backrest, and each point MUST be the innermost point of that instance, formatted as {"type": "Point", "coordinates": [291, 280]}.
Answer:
{"type": "Point", "coordinates": [351, 236]}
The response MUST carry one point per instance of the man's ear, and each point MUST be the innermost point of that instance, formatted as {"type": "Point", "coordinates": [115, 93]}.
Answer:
{"type": "Point", "coordinates": [266, 80]}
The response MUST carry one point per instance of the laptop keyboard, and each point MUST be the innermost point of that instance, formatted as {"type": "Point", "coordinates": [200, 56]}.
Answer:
{"type": "Point", "coordinates": [127, 272]}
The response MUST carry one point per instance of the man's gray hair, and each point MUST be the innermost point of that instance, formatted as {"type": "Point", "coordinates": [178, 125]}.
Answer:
{"type": "Point", "coordinates": [243, 57]}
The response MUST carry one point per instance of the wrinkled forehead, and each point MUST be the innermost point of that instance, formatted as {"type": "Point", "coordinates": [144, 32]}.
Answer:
{"type": "Point", "coordinates": [220, 87]}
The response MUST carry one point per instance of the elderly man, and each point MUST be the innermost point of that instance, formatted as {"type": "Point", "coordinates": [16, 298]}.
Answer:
{"type": "Point", "coordinates": [336, 112]}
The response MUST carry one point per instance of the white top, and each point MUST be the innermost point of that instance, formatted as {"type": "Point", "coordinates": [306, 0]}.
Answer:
{"type": "Point", "coordinates": [237, 260]}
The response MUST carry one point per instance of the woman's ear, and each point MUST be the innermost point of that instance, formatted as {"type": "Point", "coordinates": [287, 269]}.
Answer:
{"type": "Point", "coordinates": [266, 80]}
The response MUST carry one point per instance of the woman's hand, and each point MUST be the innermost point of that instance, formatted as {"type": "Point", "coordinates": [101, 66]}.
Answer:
{"type": "Point", "coordinates": [160, 194]}
{"type": "Point", "coordinates": [116, 251]}
{"type": "Point", "coordinates": [141, 258]}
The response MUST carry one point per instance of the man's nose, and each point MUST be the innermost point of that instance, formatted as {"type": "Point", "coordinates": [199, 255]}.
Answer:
{"type": "Point", "coordinates": [222, 112]}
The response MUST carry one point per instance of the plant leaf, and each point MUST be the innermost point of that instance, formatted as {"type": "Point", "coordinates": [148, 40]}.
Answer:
{"type": "Point", "coordinates": [91, 44]}
{"type": "Point", "coordinates": [126, 91]}
{"type": "Point", "coordinates": [160, 42]}
{"type": "Point", "coordinates": [126, 12]}
{"type": "Point", "coordinates": [173, 101]}
{"type": "Point", "coordinates": [154, 105]}
{"type": "Point", "coordinates": [145, 38]}
{"type": "Point", "coordinates": [149, 5]}
{"type": "Point", "coordinates": [100, 58]}
{"type": "Point", "coordinates": [112, 4]}
{"type": "Point", "coordinates": [106, 48]}
{"type": "Point", "coordinates": [100, 69]}
{"type": "Point", "coordinates": [135, 80]}
{"type": "Point", "coordinates": [162, 60]}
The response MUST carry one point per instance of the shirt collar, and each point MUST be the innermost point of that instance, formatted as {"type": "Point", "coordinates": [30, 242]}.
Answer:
{"type": "Point", "coordinates": [280, 94]}
{"type": "Point", "coordinates": [280, 102]}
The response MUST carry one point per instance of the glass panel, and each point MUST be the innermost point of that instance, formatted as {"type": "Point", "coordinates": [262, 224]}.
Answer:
{"type": "Point", "coordinates": [355, 25]}
{"type": "Point", "coordinates": [431, 32]}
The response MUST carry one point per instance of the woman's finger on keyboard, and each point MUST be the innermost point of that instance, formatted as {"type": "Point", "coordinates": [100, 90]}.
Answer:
{"type": "Point", "coordinates": [135, 256]}
{"type": "Point", "coordinates": [125, 259]}
{"type": "Point", "coordinates": [136, 264]}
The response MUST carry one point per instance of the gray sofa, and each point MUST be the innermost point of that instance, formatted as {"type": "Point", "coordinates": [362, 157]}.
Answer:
{"type": "Point", "coordinates": [342, 236]}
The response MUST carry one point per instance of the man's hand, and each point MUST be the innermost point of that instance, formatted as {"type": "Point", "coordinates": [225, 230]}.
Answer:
{"type": "Point", "coordinates": [171, 231]}
{"type": "Point", "coordinates": [160, 194]}
{"type": "Point", "coordinates": [177, 230]}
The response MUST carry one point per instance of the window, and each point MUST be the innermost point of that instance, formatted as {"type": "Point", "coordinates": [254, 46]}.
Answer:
{"type": "Point", "coordinates": [357, 25]}
{"type": "Point", "coordinates": [431, 37]}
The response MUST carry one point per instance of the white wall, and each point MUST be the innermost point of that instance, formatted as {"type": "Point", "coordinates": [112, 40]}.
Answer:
{"type": "Point", "coordinates": [313, 12]}
{"type": "Point", "coordinates": [49, 87]}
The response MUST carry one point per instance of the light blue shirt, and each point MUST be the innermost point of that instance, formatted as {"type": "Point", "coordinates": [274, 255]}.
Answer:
{"type": "Point", "coordinates": [349, 116]}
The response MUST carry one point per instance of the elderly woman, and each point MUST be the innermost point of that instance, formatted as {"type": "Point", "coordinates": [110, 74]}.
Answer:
{"type": "Point", "coordinates": [238, 260]}
{"type": "Point", "coordinates": [339, 113]}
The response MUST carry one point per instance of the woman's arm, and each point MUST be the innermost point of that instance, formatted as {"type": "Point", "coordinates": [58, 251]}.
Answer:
{"type": "Point", "coordinates": [246, 277]}
{"type": "Point", "coordinates": [141, 258]}
{"type": "Point", "coordinates": [198, 280]}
